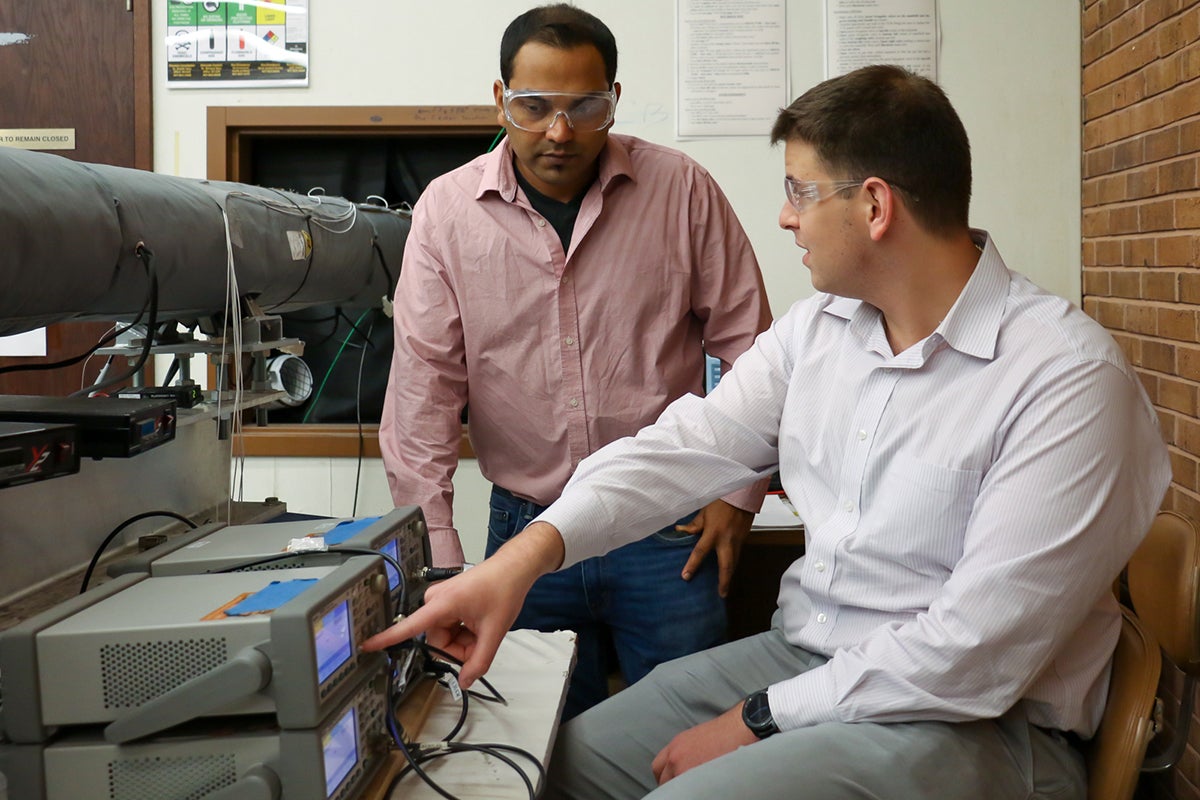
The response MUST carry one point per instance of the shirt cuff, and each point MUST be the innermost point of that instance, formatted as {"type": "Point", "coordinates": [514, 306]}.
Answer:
{"type": "Point", "coordinates": [445, 548]}
{"type": "Point", "coordinates": [804, 700]}
{"type": "Point", "coordinates": [749, 498]}
{"type": "Point", "coordinates": [569, 518]}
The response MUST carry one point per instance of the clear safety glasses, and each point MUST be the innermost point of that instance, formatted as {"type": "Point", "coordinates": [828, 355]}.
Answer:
{"type": "Point", "coordinates": [805, 194]}
{"type": "Point", "coordinates": [535, 111]}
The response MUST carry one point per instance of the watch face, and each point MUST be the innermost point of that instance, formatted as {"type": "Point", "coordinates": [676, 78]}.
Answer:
{"type": "Point", "coordinates": [756, 713]}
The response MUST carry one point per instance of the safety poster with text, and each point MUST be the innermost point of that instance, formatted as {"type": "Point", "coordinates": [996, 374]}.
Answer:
{"type": "Point", "coordinates": [244, 44]}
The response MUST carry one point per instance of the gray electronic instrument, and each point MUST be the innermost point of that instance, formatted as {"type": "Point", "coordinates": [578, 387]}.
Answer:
{"type": "Point", "coordinates": [144, 654]}
{"type": "Point", "coordinates": [401, 534]}
{"type": "Point", "coordinates": [251, 759]}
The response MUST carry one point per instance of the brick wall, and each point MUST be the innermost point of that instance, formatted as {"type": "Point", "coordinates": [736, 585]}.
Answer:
{"type": "Point", "coordinates": [1141, 220]}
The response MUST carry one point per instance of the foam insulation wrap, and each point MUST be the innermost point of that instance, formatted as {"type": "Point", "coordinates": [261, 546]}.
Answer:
{"type": "Point", "coordinates": [389, 230]}
{"type": "Point", "coordinates": [292, 250]}
{"type": "Point", "coordinates": [69, 236]}
{"type": "Point", "coordinates": [60, 238]}
{"type": "Point", "coordinates": [182, 227]}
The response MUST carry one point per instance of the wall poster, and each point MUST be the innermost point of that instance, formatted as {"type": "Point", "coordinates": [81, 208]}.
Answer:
{"type": "Point", "coordinates": [730, 66]}
{"type": "Point", "coordinates": [237, 45]}
{"type": "Point", "coordinates": [862, 32]}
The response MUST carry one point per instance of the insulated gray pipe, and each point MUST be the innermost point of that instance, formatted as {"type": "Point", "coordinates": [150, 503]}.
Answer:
{"type": "Point", "coordinates": [69, 234]}
{"type": "Point", "coordinates": [60, 239]}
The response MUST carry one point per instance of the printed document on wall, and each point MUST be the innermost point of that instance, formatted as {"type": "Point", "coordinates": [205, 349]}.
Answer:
{"type": "Point", "coordinates": [730, 66]}
{"type": "Point", "coordinates": [863, 32]}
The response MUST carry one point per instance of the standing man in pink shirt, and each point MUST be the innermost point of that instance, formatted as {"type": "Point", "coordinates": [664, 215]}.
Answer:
{"type": "Point", "coordinates": [565, 287]}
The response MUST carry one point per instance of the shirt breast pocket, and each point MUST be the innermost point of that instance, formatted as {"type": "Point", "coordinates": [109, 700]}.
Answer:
{"type": "Point", "coordinates": [928, 507]}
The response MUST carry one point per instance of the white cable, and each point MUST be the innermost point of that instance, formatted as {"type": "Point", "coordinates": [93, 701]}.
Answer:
{"type": "Point", "coordinates": [83, 369]}
{"type": "Point", "coordinates": [319, 214]}
{"type": "Point", "coordinates": [232, 312]}
{"type": "Point", "coordinates": [322, 217]}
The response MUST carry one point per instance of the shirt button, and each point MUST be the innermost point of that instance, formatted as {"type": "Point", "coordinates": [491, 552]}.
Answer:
{"type": "Point", "coordinates": [566, 278]}
{"type": "Point", "coordinates": [574, 402]}
{"type": "Point", "coordinates": [541, 223]}
{"type": "Point", "coordinates": [570, 340]}
{"type": "Point", "coordinates": [821, 619]}
{"type": "Point", "coordinates": [819, 566]}
{"type": "Point", "coordinates": [848, 506]}
{"type": "Point", "coordinates": [862, 436]}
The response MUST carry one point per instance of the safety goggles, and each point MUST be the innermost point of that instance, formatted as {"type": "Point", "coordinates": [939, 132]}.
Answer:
{"type": "Point", "coordinates": [536, 111]}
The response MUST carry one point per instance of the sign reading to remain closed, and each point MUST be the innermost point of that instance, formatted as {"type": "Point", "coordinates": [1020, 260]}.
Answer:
{"type": "Point", "coordinates": [38, 138]}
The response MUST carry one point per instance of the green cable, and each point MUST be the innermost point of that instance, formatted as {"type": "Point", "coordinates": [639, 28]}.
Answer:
{"type": "Point", "coordinates": [333, 363]}
{"type": "Point", "coordinates": [328, 372]}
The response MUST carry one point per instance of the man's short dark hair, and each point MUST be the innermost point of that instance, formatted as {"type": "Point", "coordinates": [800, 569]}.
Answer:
{"type": "Point", "coordinates": [561, 25]}
{"type": "Point", "coordinates": [886, 122]}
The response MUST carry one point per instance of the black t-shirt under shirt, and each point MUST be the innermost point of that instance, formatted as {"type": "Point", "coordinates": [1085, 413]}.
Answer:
{"type": "Point", "coordinates": [561, 216]}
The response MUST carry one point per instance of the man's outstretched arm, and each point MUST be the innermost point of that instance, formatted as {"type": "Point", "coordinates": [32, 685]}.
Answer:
{"type": "Point", "coordinates": [468, 615]}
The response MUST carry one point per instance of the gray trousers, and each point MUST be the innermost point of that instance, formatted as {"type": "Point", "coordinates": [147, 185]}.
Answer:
{"type": "Point", "coordinates": [605, 753]}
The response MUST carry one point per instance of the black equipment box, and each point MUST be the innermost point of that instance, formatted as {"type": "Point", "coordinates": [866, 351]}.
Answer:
{"type": "Point", "coordinates": [34, 452]}
{"type": "Point", "coordinates": [107, 427]}
{"type": "Point", "coordinates": [188, 396]}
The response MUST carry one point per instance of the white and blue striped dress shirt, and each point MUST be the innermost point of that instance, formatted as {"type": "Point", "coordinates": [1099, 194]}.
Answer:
{"type": "Point", "coordinates": [967, 503]}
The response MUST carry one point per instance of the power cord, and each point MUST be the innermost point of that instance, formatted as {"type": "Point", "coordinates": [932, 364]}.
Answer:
{"type": "Point", "coordinates": [87, 576]}
{"type": "Point", "coordinates": [425, 753]}
{"type": "Point", "coordinates": [440, 573]}
{"type": "Point", "coordinates": [495, 697]}
{"type": "Point", "coordinates": [353, 329]}
{"type": "Point", "coordinates": [416, 753]}
{"type": "Point", "coordinates": [334, 550]}
{"type": "Point", "coordinates": [447, 676]}
{"type": "Point", "coordinates": [362, 357]}
{"type": "Point", "coordinates": [146, 255]}
{"type": "Point", "coordinates": [429, 752]}
{"type": "Point", "coordinates": [394, 563]}
{"type": "Point", "coordinates": [109, 337]}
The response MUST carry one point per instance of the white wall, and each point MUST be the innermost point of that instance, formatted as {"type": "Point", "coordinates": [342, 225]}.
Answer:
{"type": "Point", "coordinates": [1011, 69]}
{"type": "Point", "coordinates": [326, 486]}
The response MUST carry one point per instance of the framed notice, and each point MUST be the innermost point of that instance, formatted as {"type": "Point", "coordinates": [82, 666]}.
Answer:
{"type": "Point", "coordinates": [243, 44]}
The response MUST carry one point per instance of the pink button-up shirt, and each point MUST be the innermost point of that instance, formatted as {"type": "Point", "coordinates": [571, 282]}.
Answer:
{"type": "Point", "coordinates": [558, 354]}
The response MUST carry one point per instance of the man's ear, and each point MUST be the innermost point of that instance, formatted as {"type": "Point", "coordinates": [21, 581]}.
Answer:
{"type": "Point", "coordinates": [498, 94]}
{"type": "Point", "coordinates": [881, 209]}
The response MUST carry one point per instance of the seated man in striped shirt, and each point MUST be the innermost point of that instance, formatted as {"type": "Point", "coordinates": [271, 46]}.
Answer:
{"type": "Point", "coordinates": [974, 462]}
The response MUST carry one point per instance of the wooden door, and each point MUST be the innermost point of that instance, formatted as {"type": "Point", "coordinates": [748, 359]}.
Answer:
{"type": "Point", "coordinates": [83, 66]}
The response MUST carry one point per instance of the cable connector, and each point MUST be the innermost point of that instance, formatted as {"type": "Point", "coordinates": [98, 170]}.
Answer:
{"type": "Point", "coordinates": [440, 573]}
{"type": "Point", "coordinates": [437, 669]}
{"type": "Point", "coordinates": [425, 748]}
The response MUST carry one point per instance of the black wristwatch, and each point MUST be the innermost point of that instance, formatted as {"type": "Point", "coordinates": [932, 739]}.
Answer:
{"type": "Point", "coordinates": [756, 713]}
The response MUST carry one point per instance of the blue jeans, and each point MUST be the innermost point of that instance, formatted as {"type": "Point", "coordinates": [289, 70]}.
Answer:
{"type": "Point", "coordinates": [632, 597]}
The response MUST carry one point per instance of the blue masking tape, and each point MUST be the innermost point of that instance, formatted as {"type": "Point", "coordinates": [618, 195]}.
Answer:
{"type": "Point", "coordinates": [348, 530]}
{"type": "Point", "coordinates": [270, 597]}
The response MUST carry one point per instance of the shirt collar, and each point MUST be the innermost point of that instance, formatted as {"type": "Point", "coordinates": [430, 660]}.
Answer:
{"type": "Point", "coordinates": [499, 174]}
{"type": "Point", "coordinates": [972, 325]}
